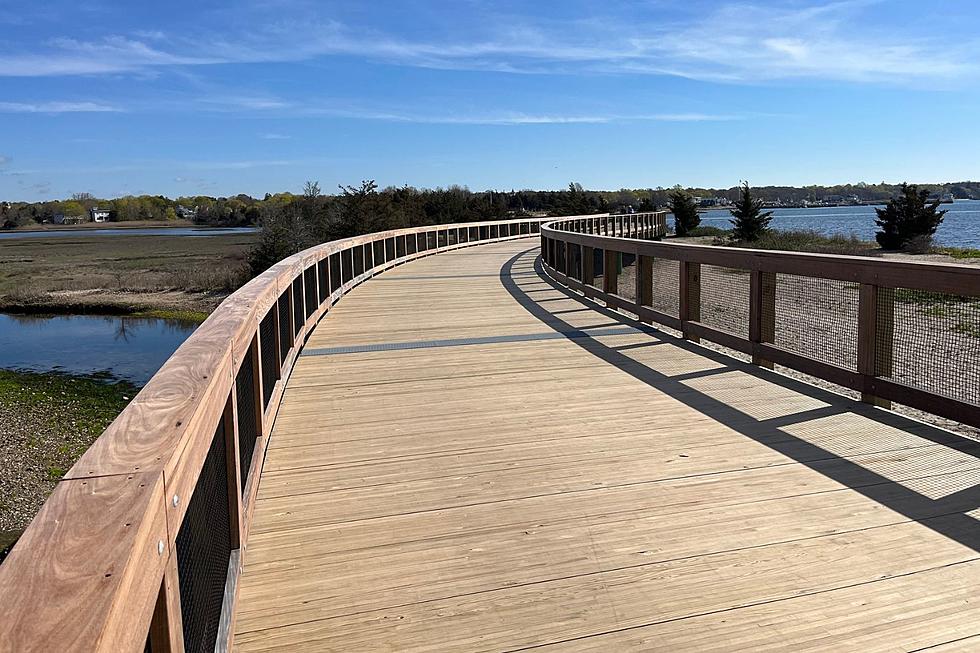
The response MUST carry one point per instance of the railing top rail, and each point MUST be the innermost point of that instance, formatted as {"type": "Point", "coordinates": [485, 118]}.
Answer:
{"type": "Point", "coordinates": [87, 572]}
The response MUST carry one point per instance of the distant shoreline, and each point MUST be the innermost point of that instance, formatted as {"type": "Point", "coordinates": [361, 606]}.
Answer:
{"type": "Point", "coordinates": [96, 226]}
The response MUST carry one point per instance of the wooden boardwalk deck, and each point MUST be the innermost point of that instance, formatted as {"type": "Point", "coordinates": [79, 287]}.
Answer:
{"type": "Point", "coordinates": [468, 458]}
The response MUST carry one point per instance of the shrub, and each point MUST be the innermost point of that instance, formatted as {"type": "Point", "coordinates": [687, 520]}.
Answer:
{"type": "Point", "coordinates": [908, 221]}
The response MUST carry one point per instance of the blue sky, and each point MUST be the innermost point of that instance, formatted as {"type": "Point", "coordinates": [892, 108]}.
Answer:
{"type": "Point", "coordinates": [181, 98]}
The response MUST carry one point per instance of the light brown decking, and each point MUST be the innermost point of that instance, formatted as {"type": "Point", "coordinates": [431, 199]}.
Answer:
{"type": "Point", "coordinates": [603, 493]}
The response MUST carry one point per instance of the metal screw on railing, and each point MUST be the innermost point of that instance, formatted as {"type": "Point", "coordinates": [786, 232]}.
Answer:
{"type": "Point", "coordinates": [176, 500]}
{"type": "Point", "coordinates": [160, 547]}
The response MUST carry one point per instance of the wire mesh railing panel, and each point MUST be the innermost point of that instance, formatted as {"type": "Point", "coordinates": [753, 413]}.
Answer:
{"type": "Point", "coordinates": [401, 247]}
{"type": "Point", "coordinates": [247, 425]}
{"type": "Point", "coordinates": [598, 260]}
{"type": "Point", "coordinates": [389, 249]}
{"type": "Point", "coordinates": [666, 286]}
{"type": "Point", "coordinates": [347, 264]}
{"type": "Point", "coordinates": [725, 299]}
{"type": "Point", "coordinates": [336, 280]}
{"type": "Point", "coordinates": [412, 243]}
{"type": "Point", "coordinates": [309, 284]}
{"type": "Point", "coordinates": [322, 282]}
{"type": "Point", "coordinates": [560, 256]}
{"type": "Point", "coordinates": [368, 256]}
{"type": "Point", "coordinates": [626, 282]}
{"type": "Point", "coordinates": [451, 237]}
{"type": "Point", "coordinates": [935, 341]}
{"type": "Point", "coordinates": [285, 334]}
{"type": "Point", "coordinates": [574, 261]}
{"type": "Point", "coordinates": [379, 252]}
{"type": "Point", "coordinates": [298, 315]}
{"type": "Point", "coordinates": [441, 238]}
{"type": "Point", "coordinates": [813, 317]}
{"type": "Point", "coordinates": [357, 261]}
{"type": "Point", "coordinates": [204, 549]}
{"type": "Point", "coordinates": [268, 355]}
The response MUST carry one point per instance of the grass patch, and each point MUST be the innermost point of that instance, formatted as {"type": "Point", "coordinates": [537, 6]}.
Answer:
{"type": "Point", "coordinates": [705, 230]}
{"type": "Point", "coordinates": [94, 401]}
{"type": "Point", "coordinates": [960, 252]}
{"type": "Point", "coordinates": [119, 269]}
{"type": "Point", "coordinates": [195, 317]}
{"type": "Point", "coordinates": [812, 242]}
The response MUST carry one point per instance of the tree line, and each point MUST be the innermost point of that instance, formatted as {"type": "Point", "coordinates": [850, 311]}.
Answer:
{"type": "Point", "coordinates": [400, 205]}
{"type": "Point", "coordinates": [300, 221]}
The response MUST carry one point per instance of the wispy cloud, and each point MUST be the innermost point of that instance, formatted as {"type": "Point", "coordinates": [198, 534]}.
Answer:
{"type": "Point", "coordinates": [56, 107]}
{"type": "Point", "coordinates": [4, 160]}
{"type": "Point", "coordinates": [739, 42]}
{"type": "Point", "coordinates": [272, 136]}
{"type": "Point", "coordinates": [511, 118]}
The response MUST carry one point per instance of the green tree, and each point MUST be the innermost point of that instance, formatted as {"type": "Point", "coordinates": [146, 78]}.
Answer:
{"type": "Point", "coordinates": [685, 210]}
{"type": "Point", "coordinates": [909, 220]}
{"type": "Point", "coordinates": [750, 222]}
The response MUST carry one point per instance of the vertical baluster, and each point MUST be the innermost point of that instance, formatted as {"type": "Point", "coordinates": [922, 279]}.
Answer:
{"type": "Point", "coordinates": [690, 297]}
{"type": "Point", "coordinates": [876, 338]}
{"type": "Point", "coordinates": [610, 274]}
{"type": "Point", "coordinates": [762, 312]}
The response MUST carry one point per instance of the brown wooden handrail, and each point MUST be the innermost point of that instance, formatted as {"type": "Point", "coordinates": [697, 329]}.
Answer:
{"type": "Point", "coordinates": [568, 246]}
{"type": "Point", "coordinates": [140, 543]}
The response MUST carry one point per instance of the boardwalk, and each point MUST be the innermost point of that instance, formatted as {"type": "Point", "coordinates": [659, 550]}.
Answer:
{"type": "Point", "coordinates": [469, 458]}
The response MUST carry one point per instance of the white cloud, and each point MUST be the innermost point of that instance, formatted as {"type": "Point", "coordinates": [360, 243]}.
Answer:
{"type": "Point", "coordinates": [4, 160]}
{"type": "Point", "coordinates": [56, 107]}
{"type": "Point", "coordinates": [272, 136]}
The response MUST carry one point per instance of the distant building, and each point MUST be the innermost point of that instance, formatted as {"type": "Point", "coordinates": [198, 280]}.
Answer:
{"type": "Point", "coordinates": [708, 202]}
{"type": "Point", "coordinates": [61, 218]}
{"type": "Point", "coordinates": [99, 215]}
{"type": "Point", "coordinates": [186, 213]}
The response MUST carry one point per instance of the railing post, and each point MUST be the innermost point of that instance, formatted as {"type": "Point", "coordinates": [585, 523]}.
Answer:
{"type": "Point", "coordinates": [690, 299]}
{"type": "Point", "coordinates": [166, 627]}
{"type": "Point", "coordinates": [644, 281]}
{"type": "Point", "coordinates": [876, 336]}
{"type": "Point", "coordinates": [762, 311]}
{"type": "Point", "coordinates": [610, 276]}
{"type": "Point", "coordinates": [588, 265]}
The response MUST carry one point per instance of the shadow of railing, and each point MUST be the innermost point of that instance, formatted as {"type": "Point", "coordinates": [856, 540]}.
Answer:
{"type": "Point", "coordinates": [946, 514]}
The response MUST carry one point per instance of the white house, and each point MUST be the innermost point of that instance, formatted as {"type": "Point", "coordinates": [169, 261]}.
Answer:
{"type": "Point", "coordinates": [99, 215]}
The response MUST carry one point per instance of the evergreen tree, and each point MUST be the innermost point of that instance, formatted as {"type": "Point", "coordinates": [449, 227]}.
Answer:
{"type": "Point", "coordinates": [685, 211]}
{"type": "Point", "coordinates": [908, 221]}
{"type": "Point", "coordinates": [282, 235]}
{"type": "Point", "coordinates": [750, 222]}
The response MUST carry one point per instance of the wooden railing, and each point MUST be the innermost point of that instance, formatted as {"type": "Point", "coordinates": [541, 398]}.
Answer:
{"type": "Point", "coordinates": [140, 546]}
{"type": "Point", "coordinates": [895, 331]}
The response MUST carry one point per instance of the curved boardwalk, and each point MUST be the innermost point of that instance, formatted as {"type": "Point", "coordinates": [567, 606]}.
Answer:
{"type": "Point", "coordinates": [469, 458]}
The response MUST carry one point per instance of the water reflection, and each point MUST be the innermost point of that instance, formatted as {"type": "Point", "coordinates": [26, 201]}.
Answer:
{"type": "Point", "coordinates": [130, 348]}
